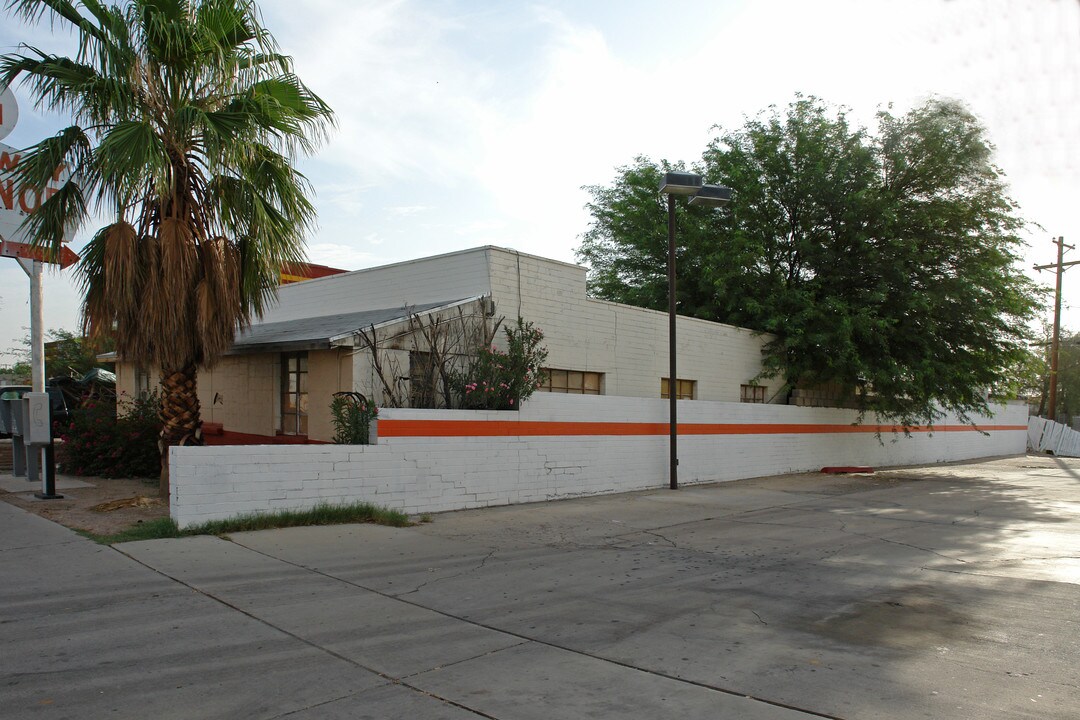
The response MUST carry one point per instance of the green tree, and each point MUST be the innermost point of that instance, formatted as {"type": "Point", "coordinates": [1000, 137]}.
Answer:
{"type": "Point", "coordinates": [66, 354]}
{"type": "Point", "coordinates": [1068, 388]}
{"type": "Point", "coordinates": [885, 263]}
{"type": "Point", "coordinates": [186, 122]}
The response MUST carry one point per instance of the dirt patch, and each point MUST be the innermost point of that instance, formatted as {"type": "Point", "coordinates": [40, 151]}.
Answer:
{"type": "Point", "coordinates": [103, 506]}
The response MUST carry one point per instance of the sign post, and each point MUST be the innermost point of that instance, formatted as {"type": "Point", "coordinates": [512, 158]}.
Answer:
{"type": "Point", "coordinates": [16, 203]}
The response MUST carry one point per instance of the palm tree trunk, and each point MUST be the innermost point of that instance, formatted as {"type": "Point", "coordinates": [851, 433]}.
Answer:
{"type": "Point", "coordinates": [181, 424]}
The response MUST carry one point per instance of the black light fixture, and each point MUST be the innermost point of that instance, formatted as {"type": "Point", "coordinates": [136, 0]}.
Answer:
{"type": "Point", "coordinates": [713, 196]}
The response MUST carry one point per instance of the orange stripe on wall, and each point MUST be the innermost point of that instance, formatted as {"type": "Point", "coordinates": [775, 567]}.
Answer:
{"type": "Point", "coordinates": [537, 428]}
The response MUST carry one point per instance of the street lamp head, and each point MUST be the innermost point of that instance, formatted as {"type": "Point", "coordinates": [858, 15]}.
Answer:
{"type": "Point", "coordinates": [712, 196]}
{"type": "Point", "coordinates": [680, 183]}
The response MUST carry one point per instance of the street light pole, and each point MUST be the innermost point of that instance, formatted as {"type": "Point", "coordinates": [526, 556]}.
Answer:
{"type": "Point", "coordinates": [692, 184]}
{"type": "Point", "coordinates": [673, 423]}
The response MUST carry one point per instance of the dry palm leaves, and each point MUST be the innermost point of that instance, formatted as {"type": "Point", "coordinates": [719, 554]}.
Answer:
{"type": "Point", "coordinates": [137, 501]}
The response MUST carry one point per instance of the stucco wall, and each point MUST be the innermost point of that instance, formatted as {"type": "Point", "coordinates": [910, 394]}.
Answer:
{"type": "Point", "coordinates": [240, 392]}
{"type": "Point", "coordinates": [329, 371]}
{"type": "Point", "coordinates": [125, 380]}
{"type": "Point", "coordinates": [557, 446]}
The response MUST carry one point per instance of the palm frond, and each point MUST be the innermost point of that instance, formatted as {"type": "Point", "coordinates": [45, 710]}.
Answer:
{"type": "Point", "coordinates": [186, 120]}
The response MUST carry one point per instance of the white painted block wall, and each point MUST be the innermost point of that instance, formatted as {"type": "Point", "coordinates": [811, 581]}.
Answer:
{"type": "Point", "coordinates": [627, 344]}
{"type": "Point", "coordinates": [435, 474]}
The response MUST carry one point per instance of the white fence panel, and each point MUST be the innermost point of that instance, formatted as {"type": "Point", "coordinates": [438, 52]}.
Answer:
{"type": "Point", "coordinates": [1049, 436]}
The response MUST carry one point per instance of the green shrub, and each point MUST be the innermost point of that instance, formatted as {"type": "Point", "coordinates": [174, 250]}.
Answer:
{"type": "Point", "coordinates": [352, 415]}
{"type": "Point", "coordinates": [103, 442]}
{"type": "Point", "coordinates": [497, 380]}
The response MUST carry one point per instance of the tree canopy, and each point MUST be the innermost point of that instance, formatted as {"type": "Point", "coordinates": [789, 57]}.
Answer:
{"type": "Point", "coordinates": [186, 123]}
{"type": "Point", "coordinates": [882, 262]}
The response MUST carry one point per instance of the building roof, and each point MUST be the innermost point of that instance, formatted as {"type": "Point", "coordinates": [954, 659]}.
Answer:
{"type": "Point", "coordinates": [320, 333]}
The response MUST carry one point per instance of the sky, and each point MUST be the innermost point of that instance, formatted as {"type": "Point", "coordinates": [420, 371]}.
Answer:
{"type": "Point", "coordinates": [463, 123]}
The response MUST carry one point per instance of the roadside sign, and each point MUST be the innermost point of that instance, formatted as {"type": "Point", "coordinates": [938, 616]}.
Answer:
{"type": "Point", "coordinates": [67, 256]}
{"type": "Point", "coordinates": [18, 201]}
{"type": "Point", "coordinates": [9, 112]}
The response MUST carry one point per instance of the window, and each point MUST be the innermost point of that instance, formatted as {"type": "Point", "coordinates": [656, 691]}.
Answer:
{"type": "Point", "coordinates": [294, 393]}
{"type": "Point", "coordinates": [684, 389]}
{"type": "Point", "coordinates": [142, 381]}
{"type": "Point", "coordinates": [752, 393]}
{"type": "Point", "coordinates": [421, 380]}
{"type": "Point", "coordinates": [576, 382]}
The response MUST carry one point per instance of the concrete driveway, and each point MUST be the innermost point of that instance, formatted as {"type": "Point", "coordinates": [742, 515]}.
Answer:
{"type": "Point", "coordinates": [944, 592]}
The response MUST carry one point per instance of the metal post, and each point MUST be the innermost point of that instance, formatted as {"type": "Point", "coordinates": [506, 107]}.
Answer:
{"type": "Point", "coordinates": [37, 335]}
{"type": "Point", "coordinates": [672, 375]}
{"type": "Point", "coordinates": [38, 458]}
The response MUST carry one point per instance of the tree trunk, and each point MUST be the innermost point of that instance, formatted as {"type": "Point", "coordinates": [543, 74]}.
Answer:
{"type": "Point", "coordinates": [181, 424]}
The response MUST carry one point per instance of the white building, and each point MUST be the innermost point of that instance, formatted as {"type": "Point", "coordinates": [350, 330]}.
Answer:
{"type": "Point", "coordinates": [279, 379]}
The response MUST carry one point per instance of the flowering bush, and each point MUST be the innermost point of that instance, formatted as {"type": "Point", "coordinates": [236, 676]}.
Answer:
{"type": "Point", "coordinates": [497, 380]}
{"type": "Point", "coordinates": [107, 440]}
{"type": "Point", "coordinates": [352, 415]}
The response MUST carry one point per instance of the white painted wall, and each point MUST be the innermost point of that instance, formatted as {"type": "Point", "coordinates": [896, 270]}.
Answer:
{"type": "Point", "coordinates": [629, 345]}
{"type": "Point", "coordinates": [433, 474]}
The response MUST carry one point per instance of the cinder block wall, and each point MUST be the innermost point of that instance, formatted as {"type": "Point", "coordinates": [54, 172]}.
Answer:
{"type": "Point", "coordinates": [557, 446]}
{"type": "Point", "coordinates": [627, 344]}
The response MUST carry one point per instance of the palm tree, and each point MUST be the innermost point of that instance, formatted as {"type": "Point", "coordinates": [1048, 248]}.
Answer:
{"type": "Point", "coordinates": [186, 121]}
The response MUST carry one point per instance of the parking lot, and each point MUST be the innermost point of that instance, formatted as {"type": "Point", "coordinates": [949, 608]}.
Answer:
{"type": "Point", "coordinates": [947, 591]}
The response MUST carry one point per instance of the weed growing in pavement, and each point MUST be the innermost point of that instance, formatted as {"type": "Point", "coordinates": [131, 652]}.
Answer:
{"type": "Point", "coordinates": [325, 514]}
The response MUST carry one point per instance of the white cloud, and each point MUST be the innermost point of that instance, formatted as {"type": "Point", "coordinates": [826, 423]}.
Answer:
{"type": "Point", "coordinates": [346, 257]}
{"type": "Point", "coordinates": [463, 124]}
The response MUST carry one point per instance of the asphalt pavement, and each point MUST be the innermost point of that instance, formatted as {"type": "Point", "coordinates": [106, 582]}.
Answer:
{"type": "Point", "coordinates": [935, 592]}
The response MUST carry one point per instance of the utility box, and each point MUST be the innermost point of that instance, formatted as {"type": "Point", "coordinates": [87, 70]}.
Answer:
{"type": "Point", "coordinates": [38, 428]}
{"type": "Point", "coordinates": [6, 426]}
{"type": "Point", "coordinates": [23, 464]}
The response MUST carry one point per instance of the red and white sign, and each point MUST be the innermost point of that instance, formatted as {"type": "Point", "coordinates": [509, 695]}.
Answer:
{"type": "Point", "coordinates": [9, 112]}
{"type": "Point", "coordinates": [18, 201]}
{"type": "Point", "coordinates": [64, 258]}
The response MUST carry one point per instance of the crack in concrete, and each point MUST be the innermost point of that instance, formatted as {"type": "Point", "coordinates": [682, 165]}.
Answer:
{"type": "Point", "coordinates": [907, 545]}
{"type": "Point", "coordinates": [665, 539]}
{"type": "Point", "coordinates": [465, 660]}
{"type": "Point", "coordinates": [432, 581]}
{"type": "Point", "coordinates": [316, 705]}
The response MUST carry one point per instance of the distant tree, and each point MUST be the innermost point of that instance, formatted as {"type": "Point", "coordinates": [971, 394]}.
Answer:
{"type": "Point", "coordinates": [68, 354]}
{"type": "Point", "coordinates": [1068, 389]}
{"type": "Point", "coordinates": [186, 123]}
{"type": "Point", "coordinates": [885, 263]}
{"type": "Point", "coordinates": [17, 368]}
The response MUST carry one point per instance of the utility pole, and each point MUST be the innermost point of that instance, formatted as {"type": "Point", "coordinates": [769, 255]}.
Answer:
{"type": "Point", "coordinates": [1059, 269]}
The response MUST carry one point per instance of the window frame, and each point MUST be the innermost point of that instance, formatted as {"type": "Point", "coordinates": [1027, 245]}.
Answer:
{"type": "Point", "coordinates": [572, 382]}
{"type": "Point", "coordinates": [752, 394]}
{"type": "Point", "coordinates": [685, 388]}
{"type": "Point", "coordinates": [297, 409]}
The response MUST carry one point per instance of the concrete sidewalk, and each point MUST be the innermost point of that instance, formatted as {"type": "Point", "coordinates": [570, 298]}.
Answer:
{"type": "Point", "coordinates": [936, 592]}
